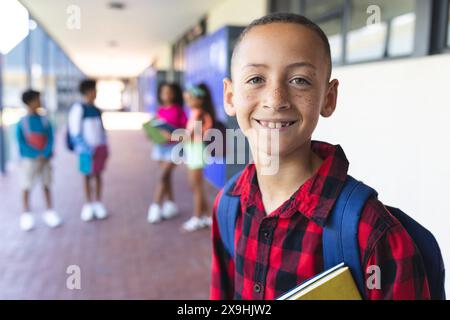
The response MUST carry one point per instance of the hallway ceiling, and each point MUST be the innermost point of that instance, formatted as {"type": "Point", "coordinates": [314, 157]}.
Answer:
{"type": "Point", "coordinates": [116, 43]}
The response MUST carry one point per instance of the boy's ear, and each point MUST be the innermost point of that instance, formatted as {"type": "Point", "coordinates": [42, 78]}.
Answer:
{"type": "Point", "coordinates": [330, 99]}
{"type": "Point", "coordinates": [228, 97]}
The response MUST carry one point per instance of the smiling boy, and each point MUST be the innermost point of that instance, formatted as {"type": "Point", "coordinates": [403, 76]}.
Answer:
{"type": "Point", "coordinates": [281, 69]}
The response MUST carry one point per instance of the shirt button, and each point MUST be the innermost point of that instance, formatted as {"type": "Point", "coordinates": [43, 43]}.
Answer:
{"type": "Point", "coordinates": [257, 288]}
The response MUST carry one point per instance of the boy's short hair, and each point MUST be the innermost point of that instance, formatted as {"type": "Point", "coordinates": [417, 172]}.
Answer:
{"type": "Point", "coordinates": [87, 85]}
{"type": "Point", "coordinates": [30, 95]}
{"type": "Point", "coordinates": [280, 17]}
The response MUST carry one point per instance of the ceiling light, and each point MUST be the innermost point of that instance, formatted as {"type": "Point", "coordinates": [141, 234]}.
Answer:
{"type": "Point", "coordinates": [14, 24]}
{"type": "Point", "coordinates": [32, 25]}
{"type": "Point", "coordinates": [116, 5]}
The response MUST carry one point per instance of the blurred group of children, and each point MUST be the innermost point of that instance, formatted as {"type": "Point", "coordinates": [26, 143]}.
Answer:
{"type": "Point", "coordinates": [86, 137]}
{"type": "Point", "coordinates": [201, 111]}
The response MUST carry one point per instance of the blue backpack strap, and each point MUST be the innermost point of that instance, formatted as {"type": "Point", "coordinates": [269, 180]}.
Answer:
{"type": "Point", "coordinates": [227, 211]}
{"type": "Point", "coordinates": [340, 235]}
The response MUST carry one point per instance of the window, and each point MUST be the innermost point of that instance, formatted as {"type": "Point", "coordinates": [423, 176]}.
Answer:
{"type": "Point", "coordinates": [332, 29]}
{"type": "Point", "coordinates": [383, 30]}
{"type": "Point", "coordinates": [318, 10]}
{"type": "Point", "coordinates": [448, 27]}
{"type": "Point", "coordinates": [328, 15]}
{"type": "Point", "coordinates": [37, 42]}
{"type": "Point", "coordinates": [402, 35]}
{"type": "Point", "coordinates": [38, 62]}
{"type": "Point", "coordinates": [370, 30]}
{"type": "Point", "coordinates": [14, 76]}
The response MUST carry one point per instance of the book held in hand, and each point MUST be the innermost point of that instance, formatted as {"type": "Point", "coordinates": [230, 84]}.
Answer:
{"type": "Point", "coordinates": [153, 130]}
{"type": "Point", "coordinates": [333, 284]}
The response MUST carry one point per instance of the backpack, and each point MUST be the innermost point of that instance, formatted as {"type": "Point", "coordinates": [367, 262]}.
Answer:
{"type": "Point", "coordinates": [340, 240]}
{"type": "Point", "coordinates": [37, 140]}
{"type": "Point", "coordinates": [69, 140]}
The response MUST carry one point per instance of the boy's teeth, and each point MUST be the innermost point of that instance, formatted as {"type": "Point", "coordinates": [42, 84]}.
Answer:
{"type": "Point", "coordinates": [274, 125]}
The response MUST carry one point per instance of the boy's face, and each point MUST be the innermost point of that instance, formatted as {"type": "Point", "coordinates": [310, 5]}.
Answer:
{"type": "Point", "coordinates": [35, 104]}
{"type": "Point", "coordinates": [91, 95]}
{"type": "Point", "coordinates": [280, 83]}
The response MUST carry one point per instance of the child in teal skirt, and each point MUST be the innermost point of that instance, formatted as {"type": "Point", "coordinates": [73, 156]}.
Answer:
{"type": "Point", "coordinates": [201, 119]}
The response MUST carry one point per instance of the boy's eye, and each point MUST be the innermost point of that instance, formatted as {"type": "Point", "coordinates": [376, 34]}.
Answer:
{"type": "Point", "coordinates": [300, 81]}
{"type": "Point", "coordinates": [255, 80]}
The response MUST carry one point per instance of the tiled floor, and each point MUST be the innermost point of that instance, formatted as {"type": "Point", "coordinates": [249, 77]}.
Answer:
{"type": "Point", "coordinates": [122, 257]}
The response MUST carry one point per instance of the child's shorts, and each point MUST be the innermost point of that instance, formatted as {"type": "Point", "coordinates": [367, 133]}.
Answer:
{"type": "Point", "coordinates": [35, 170]}
{"type": "Point", "coordinates": [163, 152]}
{"type": "Point", "coordinates": [195, 155]}
{"type": "Point", "coordinates": [94, 164]}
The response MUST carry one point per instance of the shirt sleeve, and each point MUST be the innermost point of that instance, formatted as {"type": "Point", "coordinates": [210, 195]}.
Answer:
{"type": "Point", "coordinates": [393, 265]}
{"type": "Point", "coordinates": [222, 270]}
{"type": "Point", "coordinates": [75, 123]}
{"type": "Point", "coordinates": [21, 139]}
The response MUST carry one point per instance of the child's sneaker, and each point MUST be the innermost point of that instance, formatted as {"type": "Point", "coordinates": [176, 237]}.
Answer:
{"type": "Point", "coordinates": [26, 221]}
{"type": "Point", "coordinates": [193, 224]}
{"type": "Point", "coordinates": [87, 213]}
{"type": "Point", "coordinates": [51, 218]}
{"type": "Point", "coordinates": [154, 213]}
{"type": "Point", "coordinates": [100, 211]}
{"type": "Point", "coordinates": [169, 210]}
{"type": "Point", "coordinates": [207, 221]}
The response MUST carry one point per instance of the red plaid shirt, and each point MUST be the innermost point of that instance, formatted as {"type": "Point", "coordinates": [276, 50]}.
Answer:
{"type": "Point", "coordinates": [276, 252]}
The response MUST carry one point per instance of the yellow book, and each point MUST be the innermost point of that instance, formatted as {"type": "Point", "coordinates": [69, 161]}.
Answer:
{"type": "Point", "coordinates": [333, 284]}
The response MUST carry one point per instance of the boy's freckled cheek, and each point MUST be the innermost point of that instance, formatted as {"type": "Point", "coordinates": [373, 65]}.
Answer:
{"type": "Point", "coordinates": [306, 102]}
{"type": "Point", "coordinates": [249, 97]}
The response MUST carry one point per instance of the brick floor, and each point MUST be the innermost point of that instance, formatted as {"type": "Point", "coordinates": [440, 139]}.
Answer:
{"type": "Point", "coordinates": [122, 257]}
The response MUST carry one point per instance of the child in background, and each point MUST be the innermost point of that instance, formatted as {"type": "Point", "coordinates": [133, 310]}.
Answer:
{"type": "Point", "coordinates": [201, 118]}
{"type": "Point", "coordinates": [90, 143]}
{"type": "Point", "coordinates": [171, 111]}
{"type": "Point", "coordinates": [35, 139]}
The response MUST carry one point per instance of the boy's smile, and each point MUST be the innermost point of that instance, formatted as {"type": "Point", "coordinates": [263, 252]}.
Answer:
{"type": "Point", "coordinates": [275, 124]}
{"type": "Point", "coordinates": [280, 84]}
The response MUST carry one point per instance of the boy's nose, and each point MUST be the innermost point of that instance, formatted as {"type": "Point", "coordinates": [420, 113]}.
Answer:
{"type": "Point", "coordinates": [276, 99]}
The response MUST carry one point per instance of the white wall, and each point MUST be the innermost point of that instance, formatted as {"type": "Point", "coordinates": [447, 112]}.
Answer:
{"type": "Point", "coordinates": [393, 122]}
{"type": "Point", "coordinates": [236, 13]}
{"type": "Point", "coordinates": [163, 57]}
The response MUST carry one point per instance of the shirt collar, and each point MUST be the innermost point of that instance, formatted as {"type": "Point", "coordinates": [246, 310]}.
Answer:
{"type": "Point", "coordinates": [316, 197]}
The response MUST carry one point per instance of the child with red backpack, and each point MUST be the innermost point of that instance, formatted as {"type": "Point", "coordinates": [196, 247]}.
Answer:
{"type": "Point", "coordinates": [35, 139]}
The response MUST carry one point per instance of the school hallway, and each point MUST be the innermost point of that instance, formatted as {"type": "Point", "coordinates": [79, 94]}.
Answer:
{"type": "Point", "coordinates": [122, 257]}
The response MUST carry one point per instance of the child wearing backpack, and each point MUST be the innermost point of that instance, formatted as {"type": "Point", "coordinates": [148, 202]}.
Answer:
{"type": "Point", "coordinates": [35, 138]}
{"type": "Point", "coordinates": [271, 227]}
{"type": "Point", "coordinates": [201, 119]}
{"type": "Point", "coordinates": [87, 137]}
{"type": "Point", "coordinates": [170, 110]}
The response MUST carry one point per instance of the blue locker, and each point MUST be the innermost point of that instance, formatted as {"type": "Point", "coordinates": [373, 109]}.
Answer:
{"type": "Point", "coordinates": [208, 61]}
